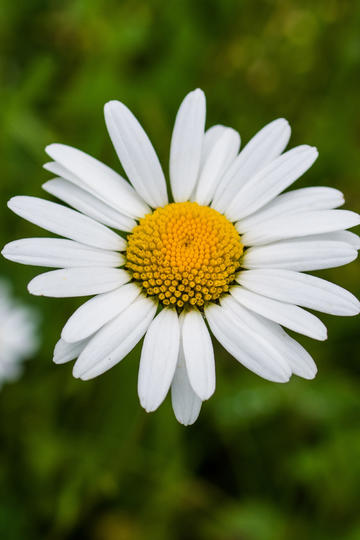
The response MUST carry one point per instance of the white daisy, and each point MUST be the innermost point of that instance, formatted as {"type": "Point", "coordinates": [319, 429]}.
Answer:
{"type": "Point", "coordinates": [18, 339]}
{"type": "Point", "coordinates": [229, 250]}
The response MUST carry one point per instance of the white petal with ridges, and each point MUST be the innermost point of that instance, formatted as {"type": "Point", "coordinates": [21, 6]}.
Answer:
{"type": "Point", "coordinates": [298, 225]}
{"type": "Point", "coordinates": [88, 204]}
{"type": "Point", "coordinates": [66, 222]}
{"type": "Point", "coordinates": [158, 360]}
{"type": "Point", "coordinates": [265, 146]}
{"type": "Point", "coordinates": [65, 352]}
{"type": "Point", "coordinates": [221, 155]}
{"type": "Point", "coordinates": [59, 253]}
{"type": "Point", "coordinates": [100, 179]}
{"type": "Point", "coordinates": [71, 282]}
{"type": "Point", "coordinates": [300, 255]}
{"type": "Point", "coordinates": [115, 340]}
{"type": "Point", "coordinates": [301, 289]}
{"type": "Point", "coordinates": [186, 145]}
{"type": "Point", "coordinates": [288, 315]}
{"type": "Point", "coordinates": [298, 200]}
{"type": "Point", "coordinates": [247, 341]}
{"type": "Point", "coordinates": [270, 181]}
{"type": "Point", "coordinates": [136, 154]}
{"type": "Point", "coordinates": [211, 136]}
{"type": "Point", "coordinates": [199, 354]}
{"type": "Point", "coordinates": [186, 404]}
{"type": "Point", "coordinates": [338, 236]}
{"type": "Point", "coordinates": [299, 360]}
{"type": "Point", "coordinates": [97, 311]}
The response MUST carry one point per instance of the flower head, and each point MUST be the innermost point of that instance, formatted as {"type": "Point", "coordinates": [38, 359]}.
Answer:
{"type": "Point", "coordinates": [227, 251]}
{"type": "Point", "coordinates": [18, 339]}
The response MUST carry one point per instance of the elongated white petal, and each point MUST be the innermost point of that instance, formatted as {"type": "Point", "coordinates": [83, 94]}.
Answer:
{"type": "Point", "coordinates": [65, 352]}
{"type": "Point", "coordinates": [300, 361]}
{"type": "Point", "coordinates": [270, 181]}
{"type": "Point", "coordinates": [199, 354]}
{"type": "Point", "coordinates": [99, 179]}
{"type": "Point", "coordinates": [265, 146]}
{"type": "Point", "coordinates": [338, 236]}
{"type": "Point", "coordinates": [136, 154]}
{"type": "Point", "coordinates": [287, 315]}
{"type": "Point", "coordinates": [301, 289]}
{"type": "Point", "coordinates": [296, 357]}
{"type": "Point", "coordinates": [301, 255]}
{"type": "Point", "coordinates": [211, 137]}
{"type": "Point", "coordinates": [158, 359]}
{"type": "Point", "coordinates": [297, 225]}
{"type": "Point", "coordinates": [298, 200]}
{"type": "Point", "coordinates": [72, 282]}
{"type": "Point", "coordinates": [186, 145]}
{"type": "Point", "coordinates": [346, 236]}
{"type": "Point", "coordinates": [186, 404]}
{"type": "Point", "coordinates": [247, 341]}
{"type": "Point", "coordinates": [66, 222]}
{"type": "Point", "coordinates": [88, 204]}
{"type": "Point", "coordinates": [59, 253]}
{"type": "Point", "coordinates": [221, 155]}
{"type": "Point", "coordinates": [97, 311]}
{"type": "Point", "coordinates": [115, 340]}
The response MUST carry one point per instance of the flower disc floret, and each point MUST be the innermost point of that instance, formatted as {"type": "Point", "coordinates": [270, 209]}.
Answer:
{"type": "Point", "coordinates": [184, 254]}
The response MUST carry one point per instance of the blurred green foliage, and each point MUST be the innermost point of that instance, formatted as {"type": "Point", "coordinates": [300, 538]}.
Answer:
{"type": "Point", "coordinates": [264, 461]}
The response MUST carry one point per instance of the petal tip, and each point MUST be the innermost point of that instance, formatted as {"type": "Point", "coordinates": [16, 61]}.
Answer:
{"type": "Point", "coordinates": [51, 147]}
{"type": "Point", "coordinates": [111, 104]}
{"type": "Point", "coordinates": [11, 204]}
{"type": "Point", "coordinates": [76, 372]}
{"type": "Point", "coordinates": [33, 290]}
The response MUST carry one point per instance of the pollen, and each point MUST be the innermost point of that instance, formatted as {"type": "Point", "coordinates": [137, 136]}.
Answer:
{"type": "Point", "coordinates": [184, 254]}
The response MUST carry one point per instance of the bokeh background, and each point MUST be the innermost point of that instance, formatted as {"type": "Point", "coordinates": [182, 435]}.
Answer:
{"type": "Point", "coordinates": [264, 461]}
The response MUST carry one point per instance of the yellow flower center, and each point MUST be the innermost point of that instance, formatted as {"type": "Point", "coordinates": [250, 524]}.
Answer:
{"type": "Point", "coordinates": [184, 253]}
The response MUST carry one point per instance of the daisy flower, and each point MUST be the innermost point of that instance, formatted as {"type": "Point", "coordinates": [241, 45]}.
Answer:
{"type": "Point", "coordinates": [18, 339]}
{"type": "Point", "coordinates": [226, 250]}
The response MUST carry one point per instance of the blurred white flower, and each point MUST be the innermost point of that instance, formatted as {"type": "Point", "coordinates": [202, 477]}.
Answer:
{"type": "Point", "coordinates": [18, 339]}
{"type": "Point", "coordinates": [230, 250]}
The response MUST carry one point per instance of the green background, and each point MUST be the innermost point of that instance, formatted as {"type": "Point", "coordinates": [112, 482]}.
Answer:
{"type": "Point", "coordinates": [264, 461]}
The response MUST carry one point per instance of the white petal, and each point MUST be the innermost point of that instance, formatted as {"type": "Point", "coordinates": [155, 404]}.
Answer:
{"type": "Point", "coordinates": [211, 137]}
{"type": "Point", "coordinates": [186, 404]}
{"type": "Point", "coordinates": [199, 354]}
{"type": "Point", "coordinates": [270, 181]}
{"type": "Point", "coordinates": [115, 340]}
{"type": "Point", "coordinates": [59, 253]}
{"type": "Point", "coordinates": [303, 255]}
{"type": "Point", "coordinates": [158, 359]}
{"type": "Point", "coordinates": [97, 311]}
{"type": "Point", "coordinates": [299, 200]}
{"type": "Point", "coordinates": [136, 154]}
{"type": "Point", "coordinates": [65, 352]}
{"type": "Point", "coordinates": [221, 155]}
{"type": "Point", "coordinates": [66, 222]}
{"type": "Point", "coordinates": [297, 225]}
{"type": "Point", "coordinates": [72, 282]}
{"type": "Point", "coordinates": [265, 146]}
{"type": "Point", "coordinates": [287, 315]}
{"type": "Point", "coordinates": [298, 358]}
{"type": "Point", "coordinates": [88, 204]}
{"type": "Point", "coordinates": [186, 145]}
{"type": "Point", "coordinates": [96, 177]}
{"type": "Point", "coordinates": [338, 236]}
{"type": "Point", "coordinates": [301, 289]}
{"type": "Point", "coordinates": [245, 339]}
{"type": "Point", "coordinates": [62, 172]}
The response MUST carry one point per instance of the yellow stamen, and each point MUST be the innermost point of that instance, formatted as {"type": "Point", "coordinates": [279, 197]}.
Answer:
{"type": "Point", "coordinates": [185, 254]}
